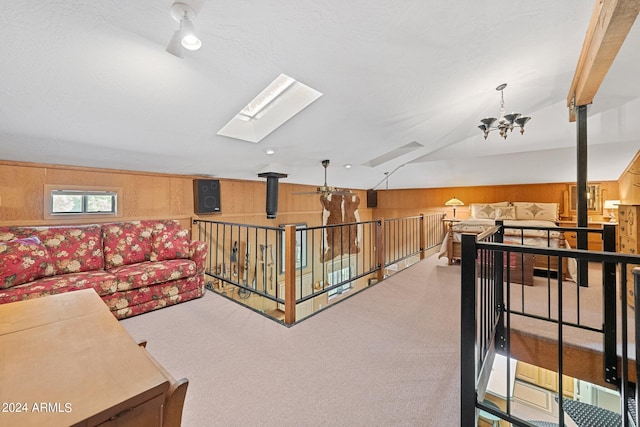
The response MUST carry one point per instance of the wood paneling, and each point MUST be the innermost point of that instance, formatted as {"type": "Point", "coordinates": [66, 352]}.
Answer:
{"type": "Point", "coordinates": [630, 182]}
{"type": "Point", "coordinates": [153, 196]}
{"type": "Point", "coordinates": [396, 203]}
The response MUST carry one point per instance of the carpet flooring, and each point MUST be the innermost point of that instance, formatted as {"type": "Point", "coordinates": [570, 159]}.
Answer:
{"type": "Point", "coordinates": [389, 356]}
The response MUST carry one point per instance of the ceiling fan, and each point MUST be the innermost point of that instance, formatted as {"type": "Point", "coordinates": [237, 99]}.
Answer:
{"type": "Point", "coordinates": [325, 189]}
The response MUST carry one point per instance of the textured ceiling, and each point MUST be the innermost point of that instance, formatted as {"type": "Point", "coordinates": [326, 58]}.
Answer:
{"type": "Point", "coordinates": [89, 83]}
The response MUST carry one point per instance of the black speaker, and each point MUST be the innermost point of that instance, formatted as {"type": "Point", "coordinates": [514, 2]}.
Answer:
{"type": "Point", "coordinates": [372, 199]}
{"type": "Point", "coordinates": [206, 196]}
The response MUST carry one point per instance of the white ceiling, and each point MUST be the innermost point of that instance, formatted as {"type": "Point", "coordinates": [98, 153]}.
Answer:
{"type": "Point", "coordinates": [89, 83]}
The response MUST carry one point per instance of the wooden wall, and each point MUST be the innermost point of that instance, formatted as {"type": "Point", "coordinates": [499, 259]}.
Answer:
{"type": "Point", "coordinates": [630, 182]}
{"type": "Point", "coordinates": [397, 203]}
{"type": "Point", "coordinates": [152, 196]}
{"type": "Point", "coordinates": [157, 196]}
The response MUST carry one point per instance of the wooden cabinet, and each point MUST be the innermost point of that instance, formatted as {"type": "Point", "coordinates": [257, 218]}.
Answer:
{"type": "Point", "coordinates": [628, 241]}
{"type": "Point", "coordinates": [544, 378]}
{"type": "Point", "coordinates": [594, 240]}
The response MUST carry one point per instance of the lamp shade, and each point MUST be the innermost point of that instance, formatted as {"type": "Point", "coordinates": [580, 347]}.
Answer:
{"type": "Point", "coordinates": [454, 202]}
{"type": "Point", "coordinates": [611, 204]}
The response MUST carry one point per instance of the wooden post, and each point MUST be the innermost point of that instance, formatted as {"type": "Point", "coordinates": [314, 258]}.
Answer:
{"type": "Point", "coordinates": [423, 230]}
{"type": "Point", "coordinates": [289, 274]}
{"type": "Point", "coordinates": [380, 248]}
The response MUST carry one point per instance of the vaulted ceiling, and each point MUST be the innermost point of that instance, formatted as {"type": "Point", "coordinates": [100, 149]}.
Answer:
{"type": "Point", "coordinates": [403, 83]}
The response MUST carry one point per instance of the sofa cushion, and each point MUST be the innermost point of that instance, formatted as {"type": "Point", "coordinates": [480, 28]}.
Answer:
{"type": "Point", "coordinates": [23, 261]}
{"type": "Point", "coordinates": [149, 273]}
{"type": "Point", "coordinates": [123, 299]}
{"type": "Point", "coordinates": [73, 249]}
{"type": "Point", "coordinates": [13, 233]}
{"type": "Point", "coordinates": [156, 303]}
{"type": "Point", "coordinates": [170, 244]}
{"type": "Point", "coordinates": [104, 284]}
{"type": "Point", "coordinates": [126, 243]}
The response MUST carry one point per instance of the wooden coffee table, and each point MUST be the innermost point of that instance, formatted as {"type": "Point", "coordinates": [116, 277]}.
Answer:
{"type": "Point", "coordinates": [65, 360]}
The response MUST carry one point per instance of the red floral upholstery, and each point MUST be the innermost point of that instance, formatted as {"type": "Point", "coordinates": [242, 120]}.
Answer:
{"type": "Point", "coordinates": [73, 249]}
{"type": "Point", "coordinates": [170, 244]}
{"type": "Point", "coordinates": [149, 273]}
{"type": "Point", "coordinates": [198, 254]}
{"type": "Point", "coordinates": [134, 310]}
{"type": "Point", "coordinates": [22, 261]}
{"type": "Point", "coordinates": [126, 243]}
{"type": "Point", "coordinates": [104, 284]}
{"type": "Point", "coordinates": [124, 299]}
{"type": "Point", "coordinates": [134, 266]}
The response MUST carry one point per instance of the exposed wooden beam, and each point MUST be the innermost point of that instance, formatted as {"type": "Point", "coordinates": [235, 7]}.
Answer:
{"type": "Point", "coordinates": [610, 23]}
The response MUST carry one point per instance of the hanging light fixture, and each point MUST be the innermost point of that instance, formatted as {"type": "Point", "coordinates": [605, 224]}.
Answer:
{"type": "Point", "coordinates": [506, 122]}
{"type": "Point", "coordinates": [185, 37]}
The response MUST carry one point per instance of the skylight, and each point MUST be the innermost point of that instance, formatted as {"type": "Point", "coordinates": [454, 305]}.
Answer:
{"type": "Point", "coordinates": [280, 101]}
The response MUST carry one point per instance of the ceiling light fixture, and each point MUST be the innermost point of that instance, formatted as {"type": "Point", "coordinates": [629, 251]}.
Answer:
{"type": "Point", "coordinates": [185, 37]}
{"type": "Point", "coordinates": [506, 122]}
{"type": "Point", "coordinates": [270, 151]}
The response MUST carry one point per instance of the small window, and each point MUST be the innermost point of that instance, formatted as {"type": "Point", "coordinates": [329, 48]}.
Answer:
{"type": "Point", "coordinates": [339, 276]}
{"type": "Point", "coordinates": [70, 202]}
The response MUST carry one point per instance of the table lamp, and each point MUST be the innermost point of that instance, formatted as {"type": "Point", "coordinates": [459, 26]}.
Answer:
{"type": "Point", "coordinates": [611, 205]}
{"type": "Point", "coordinates": [454, 202]}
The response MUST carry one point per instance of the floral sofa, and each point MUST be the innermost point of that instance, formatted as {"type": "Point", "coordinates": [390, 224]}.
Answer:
{"type": "Point", "coordinates": [134, 266]}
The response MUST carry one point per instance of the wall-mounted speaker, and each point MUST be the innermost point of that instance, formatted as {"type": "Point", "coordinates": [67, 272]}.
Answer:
{"type": "Point", "coordinates": [372, 199]}
{"type": "Point", "coordinates": [206, 196]}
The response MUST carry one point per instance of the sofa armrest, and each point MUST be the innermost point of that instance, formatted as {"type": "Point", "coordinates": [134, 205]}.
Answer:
{"type": "Point", "coordinates": [198, 254]}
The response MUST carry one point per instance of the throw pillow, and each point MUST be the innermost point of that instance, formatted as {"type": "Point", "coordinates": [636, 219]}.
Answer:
{"type": "Point", "coordinates": [170, 244]}
{"type": "Point", "coordinates": [485, 210]}
{"type": "Point", "coordinates": [537, 211]}
{"type": "Point", "coordinates": [23, 261]}
{"type": "Point", "coordinates": [506, 213]}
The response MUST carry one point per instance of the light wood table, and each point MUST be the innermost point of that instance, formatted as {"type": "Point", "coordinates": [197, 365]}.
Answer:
{"type": "Point", "coordinates": [65, 360]}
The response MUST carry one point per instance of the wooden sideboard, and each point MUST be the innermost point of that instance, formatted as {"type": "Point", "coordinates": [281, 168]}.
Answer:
{"type": "Point", "coordinates": [594, 240]}
{"type": "Point", "coordinates": [629, 241]}
{"type": "Point", "coordinates": [66, 360]}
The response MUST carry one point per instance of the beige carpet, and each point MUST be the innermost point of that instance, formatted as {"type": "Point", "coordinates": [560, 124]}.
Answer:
{"type": "Point", "coordinates": [388, 356]}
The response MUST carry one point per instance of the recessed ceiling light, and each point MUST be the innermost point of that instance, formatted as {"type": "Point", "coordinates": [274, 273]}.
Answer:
{"type": "Point", "coordinates": [280, 101]}
{"type": "Point", "coordinates": [270, 151]}
{"type": "Point", "coordinates": [348, 166]}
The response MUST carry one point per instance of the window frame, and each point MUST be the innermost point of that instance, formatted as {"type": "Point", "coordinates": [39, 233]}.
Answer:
{"type": "Point", "coordinates": [84, 191]}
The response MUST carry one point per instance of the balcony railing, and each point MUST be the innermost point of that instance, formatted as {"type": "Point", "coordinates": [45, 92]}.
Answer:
{"type": "Point", "coordinates": [494, 309]}
{"type": "Point", "coordinates": [291, 272]}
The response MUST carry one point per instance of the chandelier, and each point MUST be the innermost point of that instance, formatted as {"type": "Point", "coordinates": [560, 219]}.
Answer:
{"type": "Point", "coordinates": [506, 122]}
